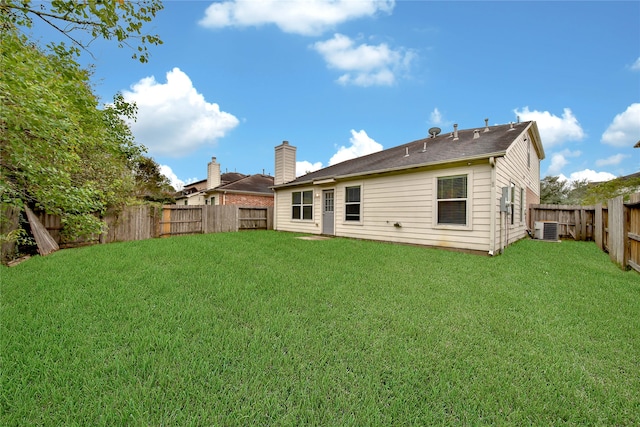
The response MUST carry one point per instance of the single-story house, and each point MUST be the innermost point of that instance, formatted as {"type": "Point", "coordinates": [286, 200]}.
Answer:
{"type": "Point", "coordinates": [229, 188]}
{"type": "Point", "coordinates": [469, 189]}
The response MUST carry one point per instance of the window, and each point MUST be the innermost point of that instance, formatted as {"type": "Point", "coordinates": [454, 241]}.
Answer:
{"type": "Point", "coordinates": [452, 200]}
{"type": "Point", "coordinates": [513, 203]}
{"type": "Point", "coordinates": [521, 204]}
{"type": "Point", "coordinates": [352, 204]}
{"type": "Point", "coordinates": [302, 205]}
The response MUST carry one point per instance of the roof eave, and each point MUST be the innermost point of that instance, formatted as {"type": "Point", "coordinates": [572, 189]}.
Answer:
{"type": "Point", "coordinates": [255, 193]}
{"type": "Point", "coordinates": [334, 178]}
{"type": "Point", "coordinates": [538, 142]}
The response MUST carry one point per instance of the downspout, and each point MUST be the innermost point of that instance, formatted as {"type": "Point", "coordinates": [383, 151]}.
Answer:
{"type": "Point", "coordinates": [492, 206]}
{"type": "Point", "coordinates": [275, 210]}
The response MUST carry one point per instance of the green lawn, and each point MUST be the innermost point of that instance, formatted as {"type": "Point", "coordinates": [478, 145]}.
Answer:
{"type": "Point", "coordinates": [262, 328]}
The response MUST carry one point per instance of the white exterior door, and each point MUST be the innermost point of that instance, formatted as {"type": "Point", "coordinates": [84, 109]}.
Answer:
{"type": "Point", "coordinates": [327, 212]}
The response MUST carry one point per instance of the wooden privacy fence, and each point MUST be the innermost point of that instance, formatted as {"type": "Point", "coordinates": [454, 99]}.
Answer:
{"type": "Point", "coordinates": [574, 221]}
{"type": "Point", "coordinates": [177, 219]}
{"type": "Point", "coordinates": [618, 230]}
{"type": "Point", "coordinates": [147, 222]}
{"type": "Point", "coordinates": [614, 227]}
{"type": "Point", "coordinates": [132, 223]}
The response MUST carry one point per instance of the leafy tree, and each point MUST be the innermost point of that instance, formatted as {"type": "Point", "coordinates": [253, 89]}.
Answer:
{"type": "Point", "coordinates": [603, 191]}
{"type": "Point", "coordinates": [58, 151]}
{"type": "Point", "coordinates": [118, 20]}
{"type": "Point", "coordinates": [553, 190]}
{"type": "Point", "coordinates": [577, 192]}
{"type": "Point", "coordinates": [151, 184]}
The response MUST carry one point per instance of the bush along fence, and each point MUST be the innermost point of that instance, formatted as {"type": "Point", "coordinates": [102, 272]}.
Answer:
{"type": "Point", "coordinates": [614, 226]}
{"type": "Point", "coordinates": [147, 222]}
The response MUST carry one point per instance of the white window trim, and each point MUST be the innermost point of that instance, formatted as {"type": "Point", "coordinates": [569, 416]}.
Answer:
{"type": "Point", "coordinates": [313, 207]}
{"type": "Point", "coordinates": [344, 204]}
{"type": "Point", "coordinates": [469, 225]}
{"type": "Point", "coordinates": [522, 205]}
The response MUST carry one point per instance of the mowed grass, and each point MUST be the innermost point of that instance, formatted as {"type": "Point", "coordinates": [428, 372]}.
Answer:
{"type": "Point", "coordinates": [262, 328]}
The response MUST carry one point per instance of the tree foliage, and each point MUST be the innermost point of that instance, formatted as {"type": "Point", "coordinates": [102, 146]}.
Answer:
{"type": "Point", "coordinates": [553, 190]}
{"type": "Point", "coordinates": [59, 152]}
{"type": "Point", "coordinates": [86, 20]}
{"type": "Point", "coordinates": [603, 191]}
{"type": "Point", "coordinates": [556, 191]}
{"type": "Point", "coordinates": [151, 184]}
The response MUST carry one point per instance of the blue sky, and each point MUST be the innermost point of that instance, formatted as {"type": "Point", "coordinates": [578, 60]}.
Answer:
{"type": "Point", "coordinates": [344, 78]}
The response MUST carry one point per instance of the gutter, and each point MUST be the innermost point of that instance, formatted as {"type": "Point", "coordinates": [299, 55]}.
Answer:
{"type": "Point", "coordinates": [492, 206]}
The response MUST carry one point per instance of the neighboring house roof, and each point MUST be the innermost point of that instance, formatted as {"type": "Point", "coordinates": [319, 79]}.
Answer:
{"type": "Point", "coordinates": [201, 186]}
{"type": "Point", "coordinates": [229, 177]}
{"type": "Point", "coordinates": [637, 145]}
{"type": "Point", "coordinates": [631, 176]}
{"type": "Point", "coordinates": [194, 187]}
{"type": "Point", "coordinates": [427, 151]}
{"type": "Point", "coordinates": [249, 184]}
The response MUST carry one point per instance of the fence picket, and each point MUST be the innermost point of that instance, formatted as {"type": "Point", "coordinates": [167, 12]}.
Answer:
{"type": "Point", "coordinates": [615, 228]}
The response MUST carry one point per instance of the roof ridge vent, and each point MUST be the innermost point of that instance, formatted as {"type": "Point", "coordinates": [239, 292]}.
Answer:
{"type": "Point", "coordinates": [476, 134]}
{"type": "Point", "coordinates": [455, 132]}
{"type": "Point", "coordinates": [486, 125]}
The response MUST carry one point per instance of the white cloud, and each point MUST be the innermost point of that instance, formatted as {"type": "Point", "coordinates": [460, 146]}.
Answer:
{"type": "Point", "coordinates": [624, 131]}
{"type": "Point", "coordinates": [361, 144]}
{"type": "Point", "coordinates": [176, 182]}
{"type": "Point", "coordinates": [612, 161]}
{"type": "Point", "coordinates": [173, 118]}
{"type": "Point", "coordinates": [589, 175]}
{"type": "Point", "coordinates": [310, 17]}
{"type": "Point", "coordinates": [436, 117]}
{"type": "Point", "coordinates": [554, 130]}
{"type": "Point", "coordinates": [559, 161]}
{"type": "Point", "coordinates": [636, 65]}
{"type": "Point", "coordinates": [304, 167]}
{"type": "Point", "coordinates": [364, 65]}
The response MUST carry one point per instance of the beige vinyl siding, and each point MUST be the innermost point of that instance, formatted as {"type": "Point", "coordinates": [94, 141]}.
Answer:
{"type": "Point", "coordinates": [514, 168]}
{"type": "Point", "coordinates": [195, 200]}
{"type": "Point", "coordinates": [282, 212]}
{"type": "Point", "coordinates": [409, 199]}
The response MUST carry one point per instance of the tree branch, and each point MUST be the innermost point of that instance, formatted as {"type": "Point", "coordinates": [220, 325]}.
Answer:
{"type": "Point", "coordinates": [82, 46]}
{"type": "Point", "coordinates": [67, 17]}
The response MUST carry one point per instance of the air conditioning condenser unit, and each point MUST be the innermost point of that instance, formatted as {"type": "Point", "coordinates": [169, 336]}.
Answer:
{"type": "Point", "coordinates": [546, 230]}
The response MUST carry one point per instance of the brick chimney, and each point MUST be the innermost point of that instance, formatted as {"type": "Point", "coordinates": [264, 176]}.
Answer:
{"type": "Point", "coordinates": [213, 174]}
{"type": "Point", "coordinates": [285, 170]}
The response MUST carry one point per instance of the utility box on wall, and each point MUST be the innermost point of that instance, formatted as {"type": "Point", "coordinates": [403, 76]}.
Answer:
{"type": "Point", "coordinates": [505, 200]}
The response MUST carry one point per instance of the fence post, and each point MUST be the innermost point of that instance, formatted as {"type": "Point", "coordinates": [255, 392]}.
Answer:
{"type": "Point", "coordinates": [166, 222]}
{"type": "Point", "coordinates": [204, 217]}
{"type": "Point", "coordinates": [633, 232]}
{"type": "Point", "coordinates": [618, 231]}
{"type": "Point", "coordinates": [577, 219]}
{"type": "Point", "coordinates": [598, 227]}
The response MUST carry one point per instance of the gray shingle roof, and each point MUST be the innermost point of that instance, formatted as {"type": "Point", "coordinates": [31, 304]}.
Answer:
{"type": "Point", "coordinates": [252, 184]}
{"type": "Point", "coordinates": [441, 149]}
